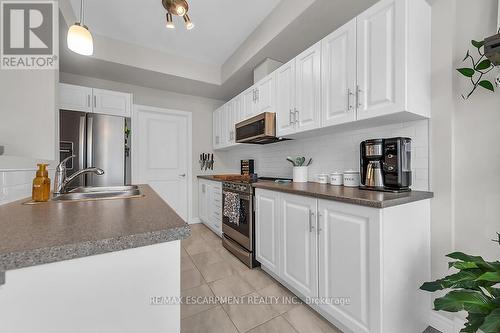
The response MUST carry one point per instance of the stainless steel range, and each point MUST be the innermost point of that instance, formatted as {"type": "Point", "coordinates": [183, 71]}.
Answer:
{"type": "Point", "coordinates": [239, 238]}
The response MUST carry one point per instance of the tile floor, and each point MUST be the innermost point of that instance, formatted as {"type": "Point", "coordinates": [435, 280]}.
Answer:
{"type": "Point", "coordinates": [209, 270]}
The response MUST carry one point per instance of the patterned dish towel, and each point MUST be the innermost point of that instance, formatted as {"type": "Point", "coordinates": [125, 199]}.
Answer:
{"type": "Point", "coordinates": [232, 207]}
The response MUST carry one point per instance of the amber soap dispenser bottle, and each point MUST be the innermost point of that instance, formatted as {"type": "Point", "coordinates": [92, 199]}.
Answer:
{"type": "Point", "coordinates": [41, 184]}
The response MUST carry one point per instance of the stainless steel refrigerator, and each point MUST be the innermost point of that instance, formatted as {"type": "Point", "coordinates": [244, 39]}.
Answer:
{"type": "Point", "coordinates": [99, 141]}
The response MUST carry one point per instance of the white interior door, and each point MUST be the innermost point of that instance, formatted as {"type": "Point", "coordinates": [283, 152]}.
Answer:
{"type": "Point", "coordinates": [161, 154]}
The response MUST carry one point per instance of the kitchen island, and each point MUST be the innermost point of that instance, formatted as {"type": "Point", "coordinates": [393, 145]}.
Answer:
{"type": "Point", "coordinates": [90, 266]}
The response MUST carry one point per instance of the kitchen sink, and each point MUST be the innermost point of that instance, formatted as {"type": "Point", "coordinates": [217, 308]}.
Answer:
{"type": "Point", "coordinates": [97, 193]}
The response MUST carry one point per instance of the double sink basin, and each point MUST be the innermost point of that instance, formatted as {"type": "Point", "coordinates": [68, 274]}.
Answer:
{"type": "Point", "coordinates": [99, 193]}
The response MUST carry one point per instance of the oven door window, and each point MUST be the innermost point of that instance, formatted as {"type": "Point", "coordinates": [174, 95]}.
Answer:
{"type": "Point", "coordinates": [244, 216]}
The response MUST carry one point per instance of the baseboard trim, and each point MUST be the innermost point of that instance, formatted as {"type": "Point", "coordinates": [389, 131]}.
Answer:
{"type": "Point", "coordinates": [445, 325]}
{"type": "Point", "coordinates": [194, 220]}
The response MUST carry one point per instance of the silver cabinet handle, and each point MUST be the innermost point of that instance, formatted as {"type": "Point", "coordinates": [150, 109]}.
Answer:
{"type": "Point", "coordinates": [358, 98]}
{"type": "Point", "coordinates": [290, 117]}
{"type": "Point", "coordinates": [311, 226]}
{"type": "Point", "coordinates": [88, 100]}
{"type": "Point", "coordinates": [257, 93]}
{"type": "Point", "coordinates": [296, 115]}
{"type": "Point", "coordinates": [349, 94]}
{"type": "Point", "coordinates": [95, 101]}
{"type": "Point", "coordinates": [319, 223]}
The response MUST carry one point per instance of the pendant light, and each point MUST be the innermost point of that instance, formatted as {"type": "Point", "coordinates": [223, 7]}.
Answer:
{"type": "Point", "coordinates": [79, 38]}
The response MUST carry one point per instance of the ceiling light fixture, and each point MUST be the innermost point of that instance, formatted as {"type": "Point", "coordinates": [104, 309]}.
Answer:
{"type": "Point", "coordinates": [79, 38]}
{"type": "Point", "coordinates": [177, 8]}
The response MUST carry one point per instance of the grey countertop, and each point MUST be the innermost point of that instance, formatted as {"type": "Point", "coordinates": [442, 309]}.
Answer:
{"type": "Point", "coordinates": [351, 195]}
{"type": "Point", "coordinates": [55, 231]}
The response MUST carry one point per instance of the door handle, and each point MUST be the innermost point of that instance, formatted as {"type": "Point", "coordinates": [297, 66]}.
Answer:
{"type": "Point", "coordinates": [290, 117]}
{"type": "Point", "coordinates": [296, 115]}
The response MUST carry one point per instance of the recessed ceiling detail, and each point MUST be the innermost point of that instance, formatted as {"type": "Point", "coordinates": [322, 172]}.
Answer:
{"type": "Point", "coordinates": [216, 37]}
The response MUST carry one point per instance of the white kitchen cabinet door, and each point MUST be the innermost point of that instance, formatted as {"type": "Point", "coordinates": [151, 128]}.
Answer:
{"type": "Point", "coordinates": [224, 125]}
{"type": "Point", "coordinates": [267, 229]}
{"type": "Point", "coordinates": [112, 103]}
{"type": "Point", "coordinates": [339, 76]}
{"type": "Point", "coordinates": [215, 207]}
{"type": "Point", "coordinates": [298, 249]}
{"type": "Point", "coordinates": [203, 200]}
{"type": "Point", "coordinates": [381, 59]}
{"type": "Point", "coordinates": [308, 89]}
{"type": "Point", "coordinates": [249, 103]}
{"type": "Point", "coordinates": [265, 91]}
{"type": "Point", "coordinates": [231, 111]}
{"type": "Point", "coordinates": [75, 98]}
{"type": "Point", "coordinates": [347, 246]}
{"type": "Point", "coordinates": [217, 119]}
{"type": "Point", "coordinates": [285, 99]}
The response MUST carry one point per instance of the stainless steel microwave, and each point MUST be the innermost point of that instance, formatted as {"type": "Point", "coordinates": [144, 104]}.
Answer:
{"type": "Point", "coordinates": [260, 129]}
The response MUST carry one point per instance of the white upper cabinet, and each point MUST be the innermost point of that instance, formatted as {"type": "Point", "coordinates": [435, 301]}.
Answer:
{"type": "Point", "coordinates": [217, 128]}
{"type": "Point", "coordinates": [308, 89]}
{"type": "Point", "coordinates": [75, 98]}
{"type": "Point", "coordinates": [265, 91]}
{"type": "Point", "coordinates": [285, 99]}
{"type": "Point", "coordinates": [339, 76]}
{"type": "Point", "coordinates": [84, 99]}
{"type": "Point", "coordinates": [393, 58]}
{"type": "Point", "coordinates": [249, 103]}
{"type": "Point", "coordinates": [298, 243]}
{"type": "Point", "coordinates": [112, 103]}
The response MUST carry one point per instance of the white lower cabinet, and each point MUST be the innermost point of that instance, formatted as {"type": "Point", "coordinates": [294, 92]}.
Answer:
{"type": "Point", "coordinates": [347, 246]}
{"type": "Point", "coordinates": [299, 243]}
{"type": "Point", "coordinates": [210, 204]}
{"type": "Point", "coordinates": [267, 229]}
{"type": "Point", "coordinates": [360, 266]}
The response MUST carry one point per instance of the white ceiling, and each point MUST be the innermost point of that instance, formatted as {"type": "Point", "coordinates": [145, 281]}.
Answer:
{"type": "Point", "coordinates": [221, 25]}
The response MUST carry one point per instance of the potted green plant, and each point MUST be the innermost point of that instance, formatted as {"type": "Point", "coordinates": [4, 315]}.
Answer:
{"type": "Point", "coordinates": [474, 288]}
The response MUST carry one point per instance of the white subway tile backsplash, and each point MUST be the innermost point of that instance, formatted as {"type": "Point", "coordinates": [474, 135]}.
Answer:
{"type": "Point", "coordinates": [333, 152]}
{"type": "Point", "coordinates": [15, 185]}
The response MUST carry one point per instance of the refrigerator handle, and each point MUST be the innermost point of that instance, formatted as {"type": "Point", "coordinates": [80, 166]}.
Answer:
{"type": "Point", "coordinates": [81, 140]}
{"type": "Point", "coordinates": [90, 141]}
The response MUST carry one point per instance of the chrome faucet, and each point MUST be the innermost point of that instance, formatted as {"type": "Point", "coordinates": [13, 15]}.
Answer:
{"type": "Point", "coordinates": [62, 181]}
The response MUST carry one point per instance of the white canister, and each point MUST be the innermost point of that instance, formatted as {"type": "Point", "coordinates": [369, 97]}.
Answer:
{"type": "Point", "coordinates": [300, 174]}
{"type": "Point", "coordinates": [337, 178]}
{"type": "Point", "coordinates": [323, 178]}
{"type": "Point", "coordinates": [351, 178]}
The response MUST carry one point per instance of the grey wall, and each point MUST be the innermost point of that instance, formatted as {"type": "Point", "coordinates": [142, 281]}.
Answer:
{"type": "Point", "coordinates": [201, 109]}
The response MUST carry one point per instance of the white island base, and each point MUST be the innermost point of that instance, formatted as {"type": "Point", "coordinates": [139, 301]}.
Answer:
{"type": "Point", "coordinates": [108, 293]}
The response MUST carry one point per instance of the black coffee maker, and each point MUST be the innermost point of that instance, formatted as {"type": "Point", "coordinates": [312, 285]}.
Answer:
{"type": "Point", "coordinates": [385, 164]}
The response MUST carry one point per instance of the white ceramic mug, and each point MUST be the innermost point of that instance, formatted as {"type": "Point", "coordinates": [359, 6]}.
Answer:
{"type": "Point", "coordinates": [300, 174]}
{"type": "Point", "coordinates": [351, 178]}
{"type": "Point", "coordinates": [337, 178]}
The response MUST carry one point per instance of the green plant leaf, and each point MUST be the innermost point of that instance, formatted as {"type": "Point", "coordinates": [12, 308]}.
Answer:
{"type": "Point", "coordinates": [490, 276]}
{"type": "Point", "coordinates": [462, 265]}
{"type": "Point", "coordinates": [479, 261]}
{"type": "Point", "coordinates": [470, 301]}
{"type": "Point", "coordinates": [477, 44]}
{"type": "Point", "coordinates": [492, 322]}
{"type": "Point", "coordinates": [487, 85]}
{"type": "Point", "coordinates": [474, 321]}
{"type": "Point", "coordinates": [469, 72]}
{"type": "Point", "coordinates": [485, 64]}
{"type": "Point", "coordinates": [466, 55]}
{"type": "Point", "coordinates": [466, 279]}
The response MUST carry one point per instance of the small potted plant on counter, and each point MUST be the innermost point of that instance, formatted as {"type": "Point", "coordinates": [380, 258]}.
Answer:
{"type": "Point", "coordinates": [473, 289]}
